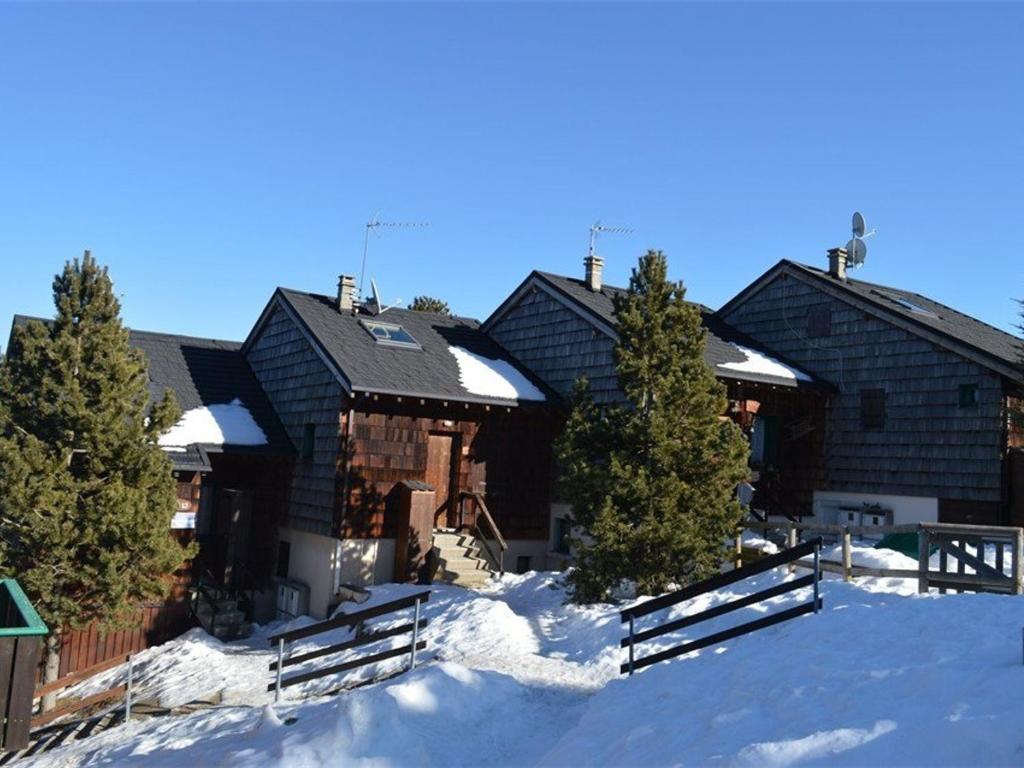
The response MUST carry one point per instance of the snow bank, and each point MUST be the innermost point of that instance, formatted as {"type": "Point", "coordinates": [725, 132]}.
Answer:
{"type": "Point", "coordinates": [767, 366]}
{"type": "Point", "coordinates": [493, 378]}
{"type": "Point", "coordinates": [224, 424]}
{"type": "Point", "coordinates": [876, 679]}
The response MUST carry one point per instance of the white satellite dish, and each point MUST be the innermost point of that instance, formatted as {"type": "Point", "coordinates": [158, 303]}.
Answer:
{"type": "Point", "coordinates": [856, 252]}
{"type": "Point", "coordinates": [859, 225]}
{"type": "Point", "coordinates": [381, 309]}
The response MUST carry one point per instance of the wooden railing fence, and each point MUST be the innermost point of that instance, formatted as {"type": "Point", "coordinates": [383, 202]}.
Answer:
{"type": "Point", "coordinates": [349, 620]}
{"type": "Point", "coordinates": [630, 615]}
{"type": "Point", "coordinates": [118, 692]}
{"type": "Point", "coordinates": [951, 540]}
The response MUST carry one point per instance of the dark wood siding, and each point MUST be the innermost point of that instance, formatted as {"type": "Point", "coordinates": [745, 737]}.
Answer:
{"type": "Point", "coordinates": [303, 391]}
{"type": "Point", "coordinates": [505, 455]}
{"type": "Point", "coordinates": [929, 445]}
{"type": "Point", "coordinates": [558, 345]}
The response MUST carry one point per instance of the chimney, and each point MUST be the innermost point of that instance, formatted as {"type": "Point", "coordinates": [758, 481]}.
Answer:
{"type": "Point", "coordinates": [594, 266]}
{"type": "Point", "coordinates": [346, 293]}
{"type": "Point", "coordinates": [837, 263]}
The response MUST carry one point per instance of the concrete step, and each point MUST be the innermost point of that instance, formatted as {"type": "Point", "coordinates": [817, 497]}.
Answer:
{"type": "Point", "coordinates": [464, 564]}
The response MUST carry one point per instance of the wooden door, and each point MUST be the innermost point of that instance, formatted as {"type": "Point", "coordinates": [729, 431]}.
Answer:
{"type": "Point", "coordinates": [442, 467]}
{"type": "Point", "coordinates": [235, 517]}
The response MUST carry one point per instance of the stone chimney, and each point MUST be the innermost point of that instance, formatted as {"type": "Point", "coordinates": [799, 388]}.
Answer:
{"type": "Point", "coordinates": [346, 293]}
{"type": "Point", "coordinates": [837, 263]}
{"type": "Point", "coordinates": [594, 267]}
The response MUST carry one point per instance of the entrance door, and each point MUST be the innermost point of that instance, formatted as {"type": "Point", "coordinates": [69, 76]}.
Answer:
{"type": "Point", "coordinates": [442, 473]}
{"type": "Point", "coordinates": [234, 515]}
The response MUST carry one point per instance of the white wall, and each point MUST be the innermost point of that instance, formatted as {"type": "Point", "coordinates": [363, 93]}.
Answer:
{"type": "Point", "coordinates": [906, 509]}
{"type": "Point", "coordinates": [366, 561]}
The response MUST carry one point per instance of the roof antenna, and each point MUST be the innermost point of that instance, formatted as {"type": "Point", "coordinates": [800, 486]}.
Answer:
{"type": "Point", "coordinates": [597, 228]}
{"type": "Point", "coordinates": [376, 223]}
{"type": "Point", "coordinates": [856, 250]}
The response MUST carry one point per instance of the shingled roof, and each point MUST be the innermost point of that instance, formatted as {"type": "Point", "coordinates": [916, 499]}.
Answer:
{"type": "Point", "coordinates": [203, 372]}
{"type": "Point", "coordinates": [429, 370]}
{"type": "Point", "coordinates": [723, 351]}
{"type": "Point", "coordinates": [998, 350]}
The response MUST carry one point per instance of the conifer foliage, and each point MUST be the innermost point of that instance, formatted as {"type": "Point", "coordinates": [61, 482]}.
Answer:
{"type": "Point", "coordinates": [86, 493]}
{"type": "Point", "coordinates": [430, 304]}
{"type": "Point", "coordinates": [652, 481]}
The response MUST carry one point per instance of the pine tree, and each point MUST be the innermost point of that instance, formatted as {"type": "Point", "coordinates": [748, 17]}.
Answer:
{"type": "Point", "coordinates": [652, 482]}
{"type": "Point", "coordinates": [86, 493]}
{"type": "Point", "coordinates": [430, 304]}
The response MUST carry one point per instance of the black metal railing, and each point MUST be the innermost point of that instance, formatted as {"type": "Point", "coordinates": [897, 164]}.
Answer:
{"type": "Point", "coordinates": [354, 620]}
{"type": "Point", "coordinates": [630, 615]}
{"type": "Point", "coordinates": [497, 559]}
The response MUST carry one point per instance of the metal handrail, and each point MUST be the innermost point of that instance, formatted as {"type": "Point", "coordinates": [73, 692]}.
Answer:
{"type": "Point", "coordinates": [498, 559]}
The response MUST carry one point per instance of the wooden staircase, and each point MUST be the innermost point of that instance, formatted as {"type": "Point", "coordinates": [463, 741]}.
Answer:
{"type": "Point", "coordinates": [459, 559]}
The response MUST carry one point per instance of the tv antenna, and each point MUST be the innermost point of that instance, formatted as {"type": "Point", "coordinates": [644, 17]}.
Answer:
{"type": "Point", "coordinates": [597, 228]}
{"type": "Point", "coordinates": [856, 249]}
{"type": "Point", "coordinates": [376, 223]}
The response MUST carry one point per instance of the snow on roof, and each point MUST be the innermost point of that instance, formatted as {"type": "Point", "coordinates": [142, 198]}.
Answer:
{"type": "Point", "coordinates": [221, 424]}
{"type": "Point", "coordinates": [492, 378]}
{"type": "Point", "coordinates": [767, 366]}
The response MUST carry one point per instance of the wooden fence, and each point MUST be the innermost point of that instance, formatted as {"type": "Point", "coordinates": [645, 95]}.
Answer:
{"type": "Point", "coordinates": [364, 638]}
{"type": "Point", "coordinates": [21, 635]}
{"type": "Point", "coordinates": [113, 694]}
{"type": "Point", "coordinates": [630, 615]}
{"type": "Point", "coordinates": [950, 540]}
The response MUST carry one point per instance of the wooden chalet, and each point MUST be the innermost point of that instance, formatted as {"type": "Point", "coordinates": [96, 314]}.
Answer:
{"type": "Point", "coordinates": [920, 424]}
{"type": "Point", "coordinates": [562, 328]}
{"type": "Point", "coordinates": [405, 422]}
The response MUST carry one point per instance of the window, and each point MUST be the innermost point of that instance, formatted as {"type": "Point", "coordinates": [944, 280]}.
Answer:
{"type": "Point", "coordinates": [819, 322]}
{"type": "Point", "coordinates": [872, 408]}
{"type": "Point", "coordinates": [968, 395]}
{"type": "Point", "coordinates": [562, 528]}
{"type": "Point", "coordinates": [522, 564]}
{"type": "Point", "coordinates": [308, 441]}
{"type": "Point", "coordinates": [284, 556]}
{"type": "Point", "coordinates": [390, 335]}
{"type": "Point", "coordinates": [907, 303]}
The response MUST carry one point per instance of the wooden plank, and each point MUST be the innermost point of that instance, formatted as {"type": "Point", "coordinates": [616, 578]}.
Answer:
{"type": "Point", "coordinates": [356, 643]}
{"type": "Point", "coordinates": [7, 646]}
{"type": "Point", "coordinates": [979, 565]}
{"type": "Point", "coordinates": [719, 581]}
{"type": "Point", "coordinates": [970, 582]}
{"type": "Point", "coordinates": [834, 566]}
{"type": "Point", "coordinates": [83, 674]}
{"type": "Point", "coordinates": [720, 610]}
{"type": "Point", "coordinates": [990, 532]}
{"type": "Point", "coordinates": [88, 701]}
{"type": "Point", "coordinates": [19, 711]}
{"type": "Point", "coordinates": [353, 664]}
{"type": "Point", "coordinates": [721, 637]}
{"type": "Point", "coordinates": [351, 619]}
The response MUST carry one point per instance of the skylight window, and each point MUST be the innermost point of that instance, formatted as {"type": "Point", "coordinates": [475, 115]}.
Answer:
{"type": "Point", "coordinates": [906, 303]}
{"type": "Point", "coordinates": [390, 335]}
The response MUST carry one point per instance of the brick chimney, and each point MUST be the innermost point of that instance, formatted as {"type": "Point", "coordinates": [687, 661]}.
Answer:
{"type": "Point", "coordinates": [837, 263]}
{"type": "Point", "coordinates": [346, 293]}
{"type": "Point", "coordinates": [594, 267]}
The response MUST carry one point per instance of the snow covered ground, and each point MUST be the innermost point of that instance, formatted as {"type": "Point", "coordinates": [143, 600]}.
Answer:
{"type": "Point", "coordinates": [514, 676]}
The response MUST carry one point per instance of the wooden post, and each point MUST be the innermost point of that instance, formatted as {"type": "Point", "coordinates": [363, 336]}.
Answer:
{"type": "Point", "coordinates": [847, 555]}
{"type": "Point", "coordinates": [1018, 562]}
{"type": "Point", "coordinates": [922, 560]}
{"type": "Point", "coordinates": [790, 543]}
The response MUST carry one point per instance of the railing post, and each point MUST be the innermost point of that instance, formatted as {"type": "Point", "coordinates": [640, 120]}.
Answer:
{"type": "Point", "coordinates": [738, 550]}
{"type": "Point", "coordinates": [790, 543]}
{"type": "Point", "coordinates": [817, 571]}
{"type": "Point", "coordinates": [1018, 562]}
{"type": "Point", "coordinates": [128, 689]}
{"type": "Point", "coordinates": [280, 667]}
{"type": "Point", "coordinates": [847, 555]}
{"type": "Point", "coordinates": [415, 635]}
{"type": "Point", "coordinates": [631, 645]}
{"type": "Point", "coordinates": [922, 560]}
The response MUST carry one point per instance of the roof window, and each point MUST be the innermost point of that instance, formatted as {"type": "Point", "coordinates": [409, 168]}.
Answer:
{"type": "Point", "coordinates": [906, 303]}
{"type": "Point", "coordinates": [390, 335]}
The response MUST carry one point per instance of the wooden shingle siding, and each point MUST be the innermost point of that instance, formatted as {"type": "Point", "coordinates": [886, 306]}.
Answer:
{"type": "Point", "coordinates": [302, 390]}
{"type": "Point", "coordinates": [558, 345]}
{"type": "Point", "coordinates": [929, 445]}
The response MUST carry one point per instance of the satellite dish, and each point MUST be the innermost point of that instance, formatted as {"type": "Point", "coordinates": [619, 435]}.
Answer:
{"type": "Point", "coordinates": [858, 224]}
{"type": "Point", "coordinates": [856, 252]}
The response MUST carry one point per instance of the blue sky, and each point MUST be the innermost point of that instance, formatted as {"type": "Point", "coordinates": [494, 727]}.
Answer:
{"type": "Point", "coordinates": [208, 153]}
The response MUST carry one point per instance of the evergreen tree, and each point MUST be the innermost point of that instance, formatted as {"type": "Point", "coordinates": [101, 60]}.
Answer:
{"type": "Point", "coordinates": [430, 304]}
{"type": "Point", "coordinates": [652, 482]}
{"type": "Point", "coordinates": [86, 493]}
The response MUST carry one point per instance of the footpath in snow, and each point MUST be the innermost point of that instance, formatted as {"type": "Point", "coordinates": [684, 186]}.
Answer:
{"type": "Point", "coordinates": [514, 676]}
